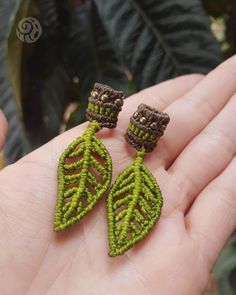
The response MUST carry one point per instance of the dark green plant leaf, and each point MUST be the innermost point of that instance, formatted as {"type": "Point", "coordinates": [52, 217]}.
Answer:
{"type": "Point", "coordinates": [84, 175]}
{"type": "Point", "coordinates": [56, 87]}
{"type": "Point", "coordinates": [82, 51]}
{"type": "Point", "coordinates": [160, 39]}
{"type": "Point", "coordinates": [134, 206]}
{"type": "Point", "coordinates": [44, 76]}
{"type": "Point", "coordinates": [91, 57]}
{"type": "Point", "coordinates": [55, 17]}
{"type": "Point", "coordinates": [17, 142]}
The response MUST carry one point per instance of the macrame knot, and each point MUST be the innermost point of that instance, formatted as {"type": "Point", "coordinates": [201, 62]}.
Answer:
{"type": "Point", "coordinates": [104, 105]}
{"type": "Point", "coordinates": [146, 126]}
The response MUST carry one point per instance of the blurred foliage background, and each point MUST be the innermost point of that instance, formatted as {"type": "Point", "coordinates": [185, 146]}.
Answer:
{"type": "Point", "coordinates": [129, 45]}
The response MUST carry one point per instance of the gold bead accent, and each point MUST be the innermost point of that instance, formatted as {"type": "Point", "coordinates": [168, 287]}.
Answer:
{"type": "Point", "coordinates": [104, 98]}
{"type": "Point", "coordinates": [94, 94]}
{"type": "Point", "coordinates": [143, 120]}
{"type": "Point", "coordinates": [153, 125]}
{"type": "Point", "coordinates": [119, 102]}
{"type": "Point", "coordinates": [135, 115]}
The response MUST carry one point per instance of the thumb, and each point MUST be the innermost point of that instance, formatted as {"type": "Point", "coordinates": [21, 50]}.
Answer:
{"type": "Point", "coordinates": [3, 129]}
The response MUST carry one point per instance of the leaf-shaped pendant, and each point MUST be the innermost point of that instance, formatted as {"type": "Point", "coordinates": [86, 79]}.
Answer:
{"type": "Point", "coordinates": [134, 206]}
{"type": "Point", "coordinates": [85, 167]}
{"type": "Point", "coordinates": [135, 200]}
{"type": "Point", "coordinates": [84, 175]}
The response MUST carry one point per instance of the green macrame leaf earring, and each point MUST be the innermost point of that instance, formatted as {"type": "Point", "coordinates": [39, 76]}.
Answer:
{"type": "Point", "coordinates": [135, 200]}
{"type": "Point", "coordinates": [85, 167]}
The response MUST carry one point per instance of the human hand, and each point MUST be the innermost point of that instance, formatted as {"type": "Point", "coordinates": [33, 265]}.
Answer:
{"type": "Point", "coordinates": [195, 166]}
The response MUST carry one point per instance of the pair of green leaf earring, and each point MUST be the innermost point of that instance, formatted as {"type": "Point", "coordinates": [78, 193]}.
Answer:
{"type": "Point", "coordinates": [85, 171]}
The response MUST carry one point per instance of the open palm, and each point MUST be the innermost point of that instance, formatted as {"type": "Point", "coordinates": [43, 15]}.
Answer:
{"type": "Point", "coordinates": [195, 166]}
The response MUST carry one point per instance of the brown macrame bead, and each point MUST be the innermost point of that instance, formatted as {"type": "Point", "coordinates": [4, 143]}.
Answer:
{"type": "Point", "coordinates": [104, 105]}
{"type": "Point", "coordinates": [147, 125]}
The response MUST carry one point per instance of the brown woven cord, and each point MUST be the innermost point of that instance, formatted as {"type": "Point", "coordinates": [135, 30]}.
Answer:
{"type": "Point", "coordinates": [146, 126]}
{"type": "Point", "coordinates": [104, 105]}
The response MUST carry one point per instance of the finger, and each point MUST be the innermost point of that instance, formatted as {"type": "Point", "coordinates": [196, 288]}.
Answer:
{"type": "Point", "coordinates": [190, 115]}
{"type": "Point", "coordinates": [158, 96]}
{"type": "Point", "coordinates": [3, 129]}
{"type": "Point", "coordinates": [212, 218]}
{"type": "Point", "coordinates": [206, 156]}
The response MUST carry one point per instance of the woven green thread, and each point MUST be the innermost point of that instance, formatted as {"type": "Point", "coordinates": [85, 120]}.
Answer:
{"type": "Point", "coordinates": [140, 133]}
{"type": "Point", "coordinates": [134, 206]}
{"type": "Point", "coordinates": [78, 189]}
{"type": "Point", "coordinates": [101, 110]}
